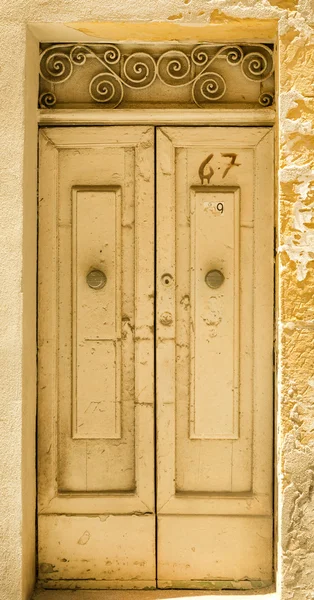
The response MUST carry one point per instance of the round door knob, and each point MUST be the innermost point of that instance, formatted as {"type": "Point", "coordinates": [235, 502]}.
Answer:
{"type": "Point", "coordinates": [214, 279]}
{"type": "Point", "coordinates": [166, 319]}
{"type": "Point", "coordinates": [96, 279]}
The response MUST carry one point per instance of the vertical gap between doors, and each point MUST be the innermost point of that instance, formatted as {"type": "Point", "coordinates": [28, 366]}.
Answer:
{"type": "Point", "coordinates": [155, 349]}
{"type": "Point", "coordinates": [37, 345]}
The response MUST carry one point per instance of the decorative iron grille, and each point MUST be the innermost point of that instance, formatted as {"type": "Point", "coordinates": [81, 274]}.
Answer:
{"type": "Point", "coordinates": [121, 75]}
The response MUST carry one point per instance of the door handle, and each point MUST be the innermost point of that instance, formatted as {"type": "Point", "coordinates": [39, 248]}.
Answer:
{"type": "Point", "coordinates": [96, 279]}
{"type": "Point", "coordinates": [214, 278]}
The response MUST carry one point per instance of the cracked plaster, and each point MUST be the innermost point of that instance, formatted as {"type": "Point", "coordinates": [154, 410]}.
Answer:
{"type": "Point", "coordinates": [175, 19]}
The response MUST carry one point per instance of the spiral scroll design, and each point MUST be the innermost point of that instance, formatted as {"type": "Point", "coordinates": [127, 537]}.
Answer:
{"type": "Point", "coordinates": [112, 55]}
{"type": "Point", "coordinates": [200, 55]}
{"type": "Point", "coordinates": [257, 65]}
{"type": "Point", "coordinates": [208, 87]}
{"type": "Point", "coordinates": [139, 70]}
{"type": "Point", "coordinates": [55, 65]}
{"type": "Point", "coordinates": [47, 100]}
{"type": "Point", "coordinates": [205, 54]}
{"type": "Point", "coordinates": [106, 88]}
{"type": "Point", "coordinates": [266, 99]}
{"type": "Point", "coordinates": [174, 68]}
{"type": "Point", "coordinates": [79, 54]}
{"type": "Point", "coordinates": [234, 55]}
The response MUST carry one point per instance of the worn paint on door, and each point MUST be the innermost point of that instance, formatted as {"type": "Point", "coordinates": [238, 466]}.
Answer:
{"type": "Point", "coordinates": [214, 356]}
{"type": "Point", "coordinates": [214, 298]}
{"type": "Point", "coordinates": [96, 499]}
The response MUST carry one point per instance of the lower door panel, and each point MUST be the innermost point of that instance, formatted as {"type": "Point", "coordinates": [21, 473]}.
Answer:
{"type": "Point", "coordinates": [214, 552]}
{"type": "Point", "coordinates": [97, 551]}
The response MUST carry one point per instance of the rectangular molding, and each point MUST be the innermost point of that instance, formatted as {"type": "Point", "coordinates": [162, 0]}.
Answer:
{"type": "Point", "coordinates": [166, 116]}
{"type": "Point", "coordinates": [214, 382]}
{"type": "Point", "coordinates": [96, 345]}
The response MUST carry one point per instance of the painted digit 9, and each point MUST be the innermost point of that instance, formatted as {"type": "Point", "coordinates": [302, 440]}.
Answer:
{"type": "Point", "coordinates": [220, 207]}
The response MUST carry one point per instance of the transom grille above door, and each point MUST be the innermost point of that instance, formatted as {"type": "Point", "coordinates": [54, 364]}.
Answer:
{"type": "Point", "coordinates": [156, 75]}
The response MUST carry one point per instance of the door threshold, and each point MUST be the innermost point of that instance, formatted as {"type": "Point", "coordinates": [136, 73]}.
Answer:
{"type": "Point", "coordinates": [265, 594]}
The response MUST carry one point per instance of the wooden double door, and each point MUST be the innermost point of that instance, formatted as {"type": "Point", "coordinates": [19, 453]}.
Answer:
{"type": "Point", "coordinates": [155, 357]}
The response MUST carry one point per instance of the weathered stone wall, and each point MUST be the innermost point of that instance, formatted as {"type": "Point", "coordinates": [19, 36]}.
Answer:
{"type": "Point", "coordinates": [296, 304]}
{"type": "Point", "coordinates": [167, 19]}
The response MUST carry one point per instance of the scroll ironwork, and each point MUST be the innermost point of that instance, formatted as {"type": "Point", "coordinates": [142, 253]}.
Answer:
{"type": "Point", "coordinates": [196, 69]}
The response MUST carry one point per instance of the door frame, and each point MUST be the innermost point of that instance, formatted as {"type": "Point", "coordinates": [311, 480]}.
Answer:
{"type": "Point", "coordinates": [214, 117]}
{"type": "Point", "coordinates": [185, 118]}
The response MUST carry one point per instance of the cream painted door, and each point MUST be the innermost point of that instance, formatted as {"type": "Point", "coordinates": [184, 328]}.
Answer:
{"type": "Point", "coordinates": [214, 357]}
{"type": "Point", "coordinates": [97, 522]}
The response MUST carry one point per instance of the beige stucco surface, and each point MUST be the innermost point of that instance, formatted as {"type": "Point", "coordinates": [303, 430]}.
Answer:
{"type": "Point", "coordinates": [21, 23]}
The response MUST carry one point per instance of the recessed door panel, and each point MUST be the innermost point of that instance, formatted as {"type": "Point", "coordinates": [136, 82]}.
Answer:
{"type": "Point", "coordinates": [214, 356]}
{"type": "Point", "coordinates": [96, 357]}
{"type": "Point", "coordinates": [96, 312]}
{"type": "Point", "coordinates": [214, 312]}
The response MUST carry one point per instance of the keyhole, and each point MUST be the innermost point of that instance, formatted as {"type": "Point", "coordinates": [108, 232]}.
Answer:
{"type": "Point", "coordinates": [167, 279]}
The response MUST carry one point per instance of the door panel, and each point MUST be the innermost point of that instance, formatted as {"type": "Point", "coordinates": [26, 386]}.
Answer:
{"type": "Point", "coordinates": [214, 355]}
{"type": "Point", "coordinates": [214, 552]}
{"type": "Point", "coordinates": [96, 357]}
{"type": "Point", "coordinates": [97, 344]}
{"type": "Point", "coordinates": [215, 365]}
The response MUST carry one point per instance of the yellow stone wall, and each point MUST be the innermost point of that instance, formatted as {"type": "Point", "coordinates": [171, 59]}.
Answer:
{"type": "Point", "coordinates": [296, 304]}
{"type": "Point", "coordinates": [290, 22]}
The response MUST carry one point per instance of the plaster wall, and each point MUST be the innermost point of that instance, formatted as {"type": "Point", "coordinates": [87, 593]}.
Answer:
{"type": "Point", "coordinates": [22, 25]}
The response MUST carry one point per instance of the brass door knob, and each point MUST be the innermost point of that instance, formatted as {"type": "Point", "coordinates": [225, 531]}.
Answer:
{"type": "Point", "coordinates": [96, 279]}
{"type": "Point", "coordinates": [214, 279]}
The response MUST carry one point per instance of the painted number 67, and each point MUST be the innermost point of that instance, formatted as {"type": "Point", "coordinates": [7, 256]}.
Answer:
{"type": "Point", "coordinates": [207, 177]}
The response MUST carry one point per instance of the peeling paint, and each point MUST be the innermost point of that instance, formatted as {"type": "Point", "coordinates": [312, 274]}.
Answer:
{"type": "Point", "coordinates": [300, 248]}
{"type": "Point", "coordinates": [225, 29]}
{"type": "Point", "coordinates": [47, 568]}
{"type": "Point", "coordinates": [285, 4]}
{"type": "Point", "coordinates": [175, 17]}
{"type": "Point", "coordinates": [84, 539]}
